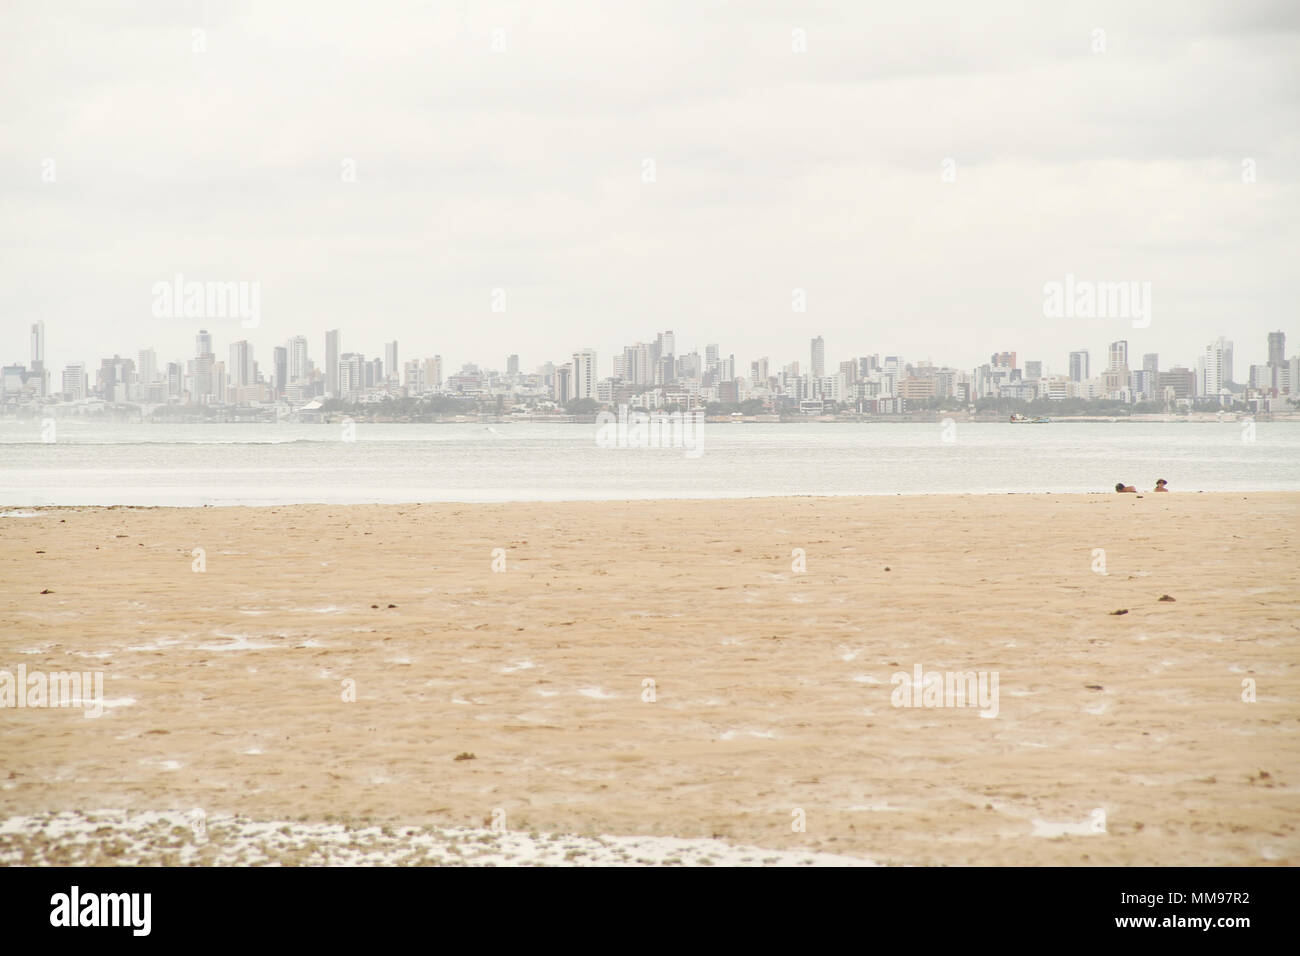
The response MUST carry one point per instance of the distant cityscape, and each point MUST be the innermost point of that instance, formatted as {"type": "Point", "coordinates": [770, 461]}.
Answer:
{"type": "Point", "coordinates": [647, 375]}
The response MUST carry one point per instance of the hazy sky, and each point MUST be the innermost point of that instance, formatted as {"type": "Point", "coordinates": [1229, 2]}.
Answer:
{"type": "Point", "coordinates": [773, 170]}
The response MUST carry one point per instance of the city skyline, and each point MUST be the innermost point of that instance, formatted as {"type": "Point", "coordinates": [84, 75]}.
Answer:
{"type": "Point", "coordinates": [890, 385]}
{"type": "Point", "coordinates": [867, 175]}
{"type": "Point", "coordinates": [1246, 353]}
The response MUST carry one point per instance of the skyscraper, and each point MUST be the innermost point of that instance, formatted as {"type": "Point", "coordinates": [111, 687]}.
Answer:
{"type": "Point", "coordinates": [1079, 366]}
{"type": "Point", "coordinates": [1277, 348]}
{"type": "Point", "coordinates": [38, 342]}
{"type": "Point", "coordinates": [1001, 359]}
{"type": "Point", "coordinates": [147, 366]}
{"type": "Point", "coordinates": [512, 365]}
{"type": "Point", "coordinates": [38, 358]}
{"type": "Point", "coordinates": [205, 383]}
{"type": "Point", "coordinates": [332, 363]}
{"type": "Point", "coordinates": [241, 370]}
{"type": "Point", "coordinates": [280, 356]}
{"type": "Point", "coordinates": [1118, 356]}
{"type": "Point", "coordinates": [818, 357]}
{"type": "Point", "coordinates": [74, 381]}
{"type": "Point", "coordinates": [563, 383]}
{"type": "Point", "coordinates": [1151, 362]}
{"type": "Point", "coordinates": [350, 372]}
{"type": "Point", "coordinates": [390, 361]}
{"type": "Point", "coordinates": [1214, 368]}
{"type": "Point", "coordinates": [584, 373]}
{"type": "Point", "coordinates": [297, 370]}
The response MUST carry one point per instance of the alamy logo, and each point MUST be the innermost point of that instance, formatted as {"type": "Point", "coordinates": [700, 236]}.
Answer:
{"type": "Point", "coordinates": [1084, 299]}
{"type": "Point", "coordinates": [179, 299]}
{"type": "Point", "coordinates": [946, 689]}
{"type": "Point", "coordinates": [651, 430]}
{"type": "Point", "coordinates": [103, 909]}
{"type": "Point", "coordinates": [60, 689]}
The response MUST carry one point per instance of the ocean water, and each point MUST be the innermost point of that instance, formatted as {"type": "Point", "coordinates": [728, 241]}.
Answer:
{"type": "Point", "coordinates": [263, 464]}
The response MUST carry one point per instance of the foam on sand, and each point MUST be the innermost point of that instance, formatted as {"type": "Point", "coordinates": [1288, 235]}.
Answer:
{"type": "Point", "coordinates": [194, 838]}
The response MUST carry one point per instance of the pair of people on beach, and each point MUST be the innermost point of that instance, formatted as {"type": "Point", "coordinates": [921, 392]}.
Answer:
{"type": "Point", "coordinates": [1161, 485]}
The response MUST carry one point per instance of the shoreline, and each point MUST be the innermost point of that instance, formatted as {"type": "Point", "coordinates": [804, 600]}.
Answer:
{"type": "Point", "coordinates": [465, 502]}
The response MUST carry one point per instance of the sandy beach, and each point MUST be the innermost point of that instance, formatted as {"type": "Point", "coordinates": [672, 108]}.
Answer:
{"type": "Point", "coordinates": [703, 670]}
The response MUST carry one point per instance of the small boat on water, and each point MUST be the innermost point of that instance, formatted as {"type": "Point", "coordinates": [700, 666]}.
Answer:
{"type": "Point", "coordinates": [1018, 419]}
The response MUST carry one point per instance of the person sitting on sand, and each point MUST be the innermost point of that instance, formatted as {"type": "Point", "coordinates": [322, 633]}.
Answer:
{"type": "Point", "coordinates": [1161, 485]}
{"type": "Point", "coordinates": [1121, 487]}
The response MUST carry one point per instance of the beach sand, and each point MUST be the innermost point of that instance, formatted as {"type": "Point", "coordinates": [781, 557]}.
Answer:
{"type": "Point", "coordinates": [1118, 739]}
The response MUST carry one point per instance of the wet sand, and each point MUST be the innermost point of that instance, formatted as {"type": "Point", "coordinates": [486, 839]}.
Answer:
{"type": "Point", "coordinates": [1120, 739]}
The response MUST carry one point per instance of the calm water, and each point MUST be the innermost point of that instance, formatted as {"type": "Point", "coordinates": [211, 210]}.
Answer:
{"type": "Point", "coordinates": [277, 464]}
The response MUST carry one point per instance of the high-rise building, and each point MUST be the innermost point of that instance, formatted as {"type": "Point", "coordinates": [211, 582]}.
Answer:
{"type": "Point", "coordinates": [563, 383]}
{"type": "Point", "coordinates": [38, 358]}
{"type": "Point", "coordinates": [512, 365]}
{"type": "Point", "coordinates": [1214, 368]}
{"type": "Point", "coordinates": [280, 356]}
{"type": "Point", "coordinates": [205, 383]}
{"type": "Point", "coordinates": [667, 344]}
{"type": "Point", "coordinates": [710, 357]}
{"type": "Point", "coordinates": [297, 370]}
{"type": "Point", "coordinates": [1277, 348]}
{"type": "Point", "coordinates": [147, 366]}
{"type": "Point", "coordinates": [998, 359]}
{"type": "Point", "coordinates": [415, 382]}
{"type": "Point", "coordinates": [38, 342]}
{"type": "Point", "coordinates": [175, 380]}
{"type": "Point", "coordinates": [1033, 371]}
{"type": "Point", "coordinates": [351, 373]}
{"type": "Point", "coordinates": [584, 373]}
{"type": "Point", "coordinates": [1117, 356]}
{"type": "Point", "coordinates": [390, 361]}
{"type": "Point", "coordinates": [332, 358]}
{"type": "Point", "coordinates": [433, 372]}
{"type": "Point", "coordinates": [74, 381]}
{"type": "Point", "coordinates": [1079, 367]}
{"type": "Point", "coordinates": [219, 382]}
{"type": "Point", "coordinates": [1151, 362]}
{"type": "Point", "coordinates": [758, 372]}
{"type": "Point", "coordinates": [818, 357]}
{"type": "Point", "coordinates": [638, 367]}
{"type": "Point", "coordinates": [242, 373]}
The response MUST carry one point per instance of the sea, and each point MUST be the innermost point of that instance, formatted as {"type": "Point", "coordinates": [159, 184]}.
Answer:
{"type": "Point", "coordinates": [85, 462]}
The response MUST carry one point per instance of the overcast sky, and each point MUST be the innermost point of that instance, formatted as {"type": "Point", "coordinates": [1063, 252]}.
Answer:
{"type": "Point", "coordinates": [525, 170]}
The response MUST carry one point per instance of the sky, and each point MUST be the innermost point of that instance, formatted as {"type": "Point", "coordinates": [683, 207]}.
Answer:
{"type": "Point", "coordinates": [919, 171]}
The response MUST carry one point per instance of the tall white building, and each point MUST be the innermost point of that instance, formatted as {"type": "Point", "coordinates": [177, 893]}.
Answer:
{"type": "Point", "coordinates": [38, 342]}
{"type": "Point", "coordinates": [1214, 368]}
{"type": "Point", "coordinates": [241, 371]}
{"type": "Point", "coordinates": [74, 381]}
{"type": "Point", "coordinates": [38, 358]}
{"type": "Point", "coordinates": [416, 383]}
{"type": "Point", "coordinates": [351, 374]}
{"type": "Point", "coordinates": [332, 363]}
{"type": "Point", "coordinates": [390, 360]}
{"type": "Point", "coordinates": [818, 357]}
{"type": "Point", "coordinates": [637, 365]}
{"type": "Point", "coordinates": [297, 369]}
{"type": "Point", "coordinates": [584, 373]}
{"type": "Point", "coordinates": [147, 366]}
